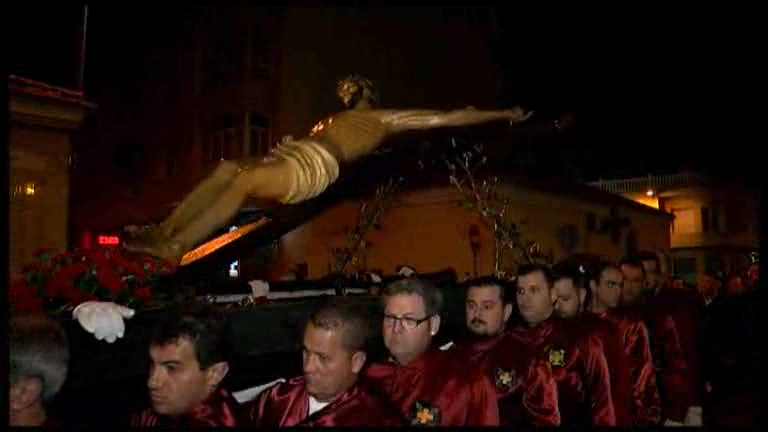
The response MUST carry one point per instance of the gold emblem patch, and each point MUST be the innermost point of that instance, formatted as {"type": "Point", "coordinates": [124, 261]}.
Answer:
{"type": "Point", "coordinates": [422, 414]}
{"type": "Point", "coordinates": [556, 357]}
{"type": "Point", "coordinates": [504, 378]}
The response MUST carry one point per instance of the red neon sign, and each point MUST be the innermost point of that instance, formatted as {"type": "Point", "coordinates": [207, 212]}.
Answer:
{"type": "Point", "coordinates": [109, 240]}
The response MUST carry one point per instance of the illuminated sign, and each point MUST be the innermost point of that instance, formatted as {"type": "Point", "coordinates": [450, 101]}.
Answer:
{"type": "Point", "coordinates": [109, 240]}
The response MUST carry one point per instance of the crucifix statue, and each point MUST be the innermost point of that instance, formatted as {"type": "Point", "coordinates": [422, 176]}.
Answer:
{"type": "Point", "coordinates": [298, 170]}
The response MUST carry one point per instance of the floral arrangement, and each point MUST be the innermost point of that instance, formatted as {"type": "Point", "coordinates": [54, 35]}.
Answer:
{"type": "Point", "coordinates": [56, 283]}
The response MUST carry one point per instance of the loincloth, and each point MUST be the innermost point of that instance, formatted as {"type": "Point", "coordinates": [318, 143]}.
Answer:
{"type": "Point", "coordinates": [313, 168]}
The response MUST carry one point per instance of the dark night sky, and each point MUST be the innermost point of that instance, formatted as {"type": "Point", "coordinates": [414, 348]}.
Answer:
{"type": "Point", "coordinates": [645, 98]}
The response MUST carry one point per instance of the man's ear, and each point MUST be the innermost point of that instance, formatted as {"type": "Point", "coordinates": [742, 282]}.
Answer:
{"type": "Point", "coordinates": [507, 311]}
{"type": "Point", "coordinates": [434, 325]}
{"type": "Point", "coordinates": [216, 373]}
{"type": "Point", "coordinates": [582, 293]}
{"type": "Point", "coordinates": [358, 361]}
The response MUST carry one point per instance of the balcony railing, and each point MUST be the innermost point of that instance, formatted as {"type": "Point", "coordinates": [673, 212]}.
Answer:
{"type": "Point", "coordinates": [660, 182]}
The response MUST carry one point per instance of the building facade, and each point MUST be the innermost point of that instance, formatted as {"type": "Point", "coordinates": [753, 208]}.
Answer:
{"type": "Point", "coordinates": [42, 119]}
{"type": "Point", "coordinates": [715, 226]}
{"type": "Point", "coordinates": [430, 230]}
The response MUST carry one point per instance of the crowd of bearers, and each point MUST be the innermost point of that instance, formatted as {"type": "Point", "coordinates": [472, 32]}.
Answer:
{"type": "Point", "coordinates": [578, 344]}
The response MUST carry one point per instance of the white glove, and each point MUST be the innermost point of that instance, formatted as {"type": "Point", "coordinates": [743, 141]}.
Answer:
{"type": "Point", "coordinates": [447, 346]}
{"type": "Point", "coordinates": [693, 417]}
{"type": "Point", "coordinates": [374, 278]}
{"type": "Point", "coordinates": [672, 423]}
{"type": "Point", "coordinates": [250, 394]}
{"type": "Point", "coordinates": [259, 288]}
{"type": "Point", "coordinates": [104, 319]}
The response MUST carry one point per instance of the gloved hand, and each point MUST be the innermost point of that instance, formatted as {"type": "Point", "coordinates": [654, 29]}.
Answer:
{"type": "Point", "coordinates": [693, 417]}
{"type": "Point", "coordinates": [104, 319]}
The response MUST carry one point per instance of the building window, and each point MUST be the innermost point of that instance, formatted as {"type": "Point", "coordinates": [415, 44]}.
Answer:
{"type": "Point", "coordinates": [261, 65]}
{"type": "Point", "coordinates": [734, 219]}
{"type": "Point", "coordinates": [685, 220]}
{"type": "Point", "coordinates": [715, 219]}
{"type": "Point", "coordinates": [705, 221]}
{"type": "Point", "coordinates": [224, 137]}
{"type": "Point", "coordinates": [260, 138]}
{"type": "Point", "coordinates": [224, 57]}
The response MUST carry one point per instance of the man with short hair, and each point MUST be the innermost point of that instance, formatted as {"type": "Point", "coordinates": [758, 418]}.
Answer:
{"type": "Point", "coordinates": [605, 283]}
{"type": "Point", "coordinates": [38, 362]}
{"type": "Point", "coordinates": [329, 392]}
{"type": "Point", "coordinates": [570, 284]}
{"type": "Point", "coordinates": [576, 357]}
{"type": "Point", "coordinates": [189, 357]}
{"type": "Point", "coordinates": [428, 385]}
{"type": "Point", "coordinates": [672, 332]}
{"type": "Point", "coordinates": [526, 390]}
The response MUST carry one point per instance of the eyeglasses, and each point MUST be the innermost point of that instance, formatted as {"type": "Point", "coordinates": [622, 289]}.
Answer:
{"type": "Point", "coordinates": [407, 322]}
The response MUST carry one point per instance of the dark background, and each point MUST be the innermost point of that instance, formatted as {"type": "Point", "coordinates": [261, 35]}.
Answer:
{"type": "Point", "coordinates": [648, 94]}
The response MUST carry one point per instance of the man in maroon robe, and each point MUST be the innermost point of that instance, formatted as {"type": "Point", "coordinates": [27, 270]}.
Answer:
{"type": "Point", "coordinates": [576, 357]}
{"type": "Point", "coordinates": [605, 284]}
{"type": "Point", "coordinates": [329, 393]}
{"type": "Point", "coordinates": [38, 361]}
{"type": "Point", "coordinates": [570, 284]}
{"type": "Point", "coordinates": [525, 387]}
{"type": "Point", "coordinates": [672, 332]}
{"type": "Point", "coordinates": [189, 359]}
{"type": "Point", "coordinates": [429, 386]}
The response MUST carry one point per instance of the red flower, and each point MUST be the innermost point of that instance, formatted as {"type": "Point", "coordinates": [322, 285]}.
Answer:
{"type": "Point", "coordinates": [62, 285]}
{"type": "Point", "coordinates": [24, 298]}
{"type": "Point", "coordinates": [74, 270]}
{"type": "Point", "coordinates": [129, 267]}
{"type": "Point", "coordinates": [144, 295]}
{"type": "Point", "coordinates": [109, 280]}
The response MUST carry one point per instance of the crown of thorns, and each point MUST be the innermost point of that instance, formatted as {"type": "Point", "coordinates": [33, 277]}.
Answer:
{"type": "Point", "coordinates": [366, 85]}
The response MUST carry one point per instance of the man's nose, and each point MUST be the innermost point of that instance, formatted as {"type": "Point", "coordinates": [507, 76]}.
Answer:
{"type": "Point", "coordinates": [155, 380]}
{"type": "Point", "coordinates": [309, 365]}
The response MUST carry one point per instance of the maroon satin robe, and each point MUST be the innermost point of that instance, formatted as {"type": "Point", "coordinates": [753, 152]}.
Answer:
{"type": "Point", "coordinates": [525, 387]}
{"type": "Point", "coordinates": [681, 305]}
{"type": "Point", "coordinates": [580, 369]}
{"type": "Point", "coordinates": [646, 404]}
{"type": "Point", "coordinates": [618, 364]}
{"type": "Point", "coordinates": [437, 390]}
{"type": "Point", "coordinates": [287, 404]}
{"type": "Point", "coordinates": [673, 375]}
{"type": "Point", "coordinates": [220, 409]}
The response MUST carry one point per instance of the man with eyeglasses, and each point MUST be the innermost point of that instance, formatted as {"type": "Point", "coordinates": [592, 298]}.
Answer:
{"type": "Point", "coordinates": [570, 284]}
{"type": "Point", "coordinates": [525, 387]}
{"type": "Point", "coordinates": [605, 283]}
{"type": "Point", "coordinates": [428, 385]}
{"type": "Point", "coordinates": [576, 357]}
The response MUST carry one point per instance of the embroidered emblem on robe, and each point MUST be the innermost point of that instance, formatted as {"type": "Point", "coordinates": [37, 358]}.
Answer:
{"type": "Point", "coordinates": [504, 378]}
{"type": "Point", "coordinates": [423, 414]}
